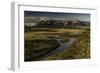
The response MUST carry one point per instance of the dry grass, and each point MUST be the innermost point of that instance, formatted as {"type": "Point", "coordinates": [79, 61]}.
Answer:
{"type": "Point", "coordinates": [79, 50]}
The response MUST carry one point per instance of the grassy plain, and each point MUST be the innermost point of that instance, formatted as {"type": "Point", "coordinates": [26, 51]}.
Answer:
{"type": "Point", "coordinates": [40, 41]}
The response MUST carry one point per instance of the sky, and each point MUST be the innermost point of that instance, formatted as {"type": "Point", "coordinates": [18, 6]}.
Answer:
{"type": "Point", "coordinates": [79, 16]}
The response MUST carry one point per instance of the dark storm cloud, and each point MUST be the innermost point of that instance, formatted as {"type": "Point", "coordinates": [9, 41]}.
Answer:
{"type": "Point", "coordinates": [79, 16]}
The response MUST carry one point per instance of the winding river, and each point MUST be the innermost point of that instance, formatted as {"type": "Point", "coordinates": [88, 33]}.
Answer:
{"type": "Point", "coordinates": [61, 47]}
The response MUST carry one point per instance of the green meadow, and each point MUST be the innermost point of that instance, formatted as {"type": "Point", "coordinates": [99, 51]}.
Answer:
{"type": "Point", "coordinates": [41, 41]}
